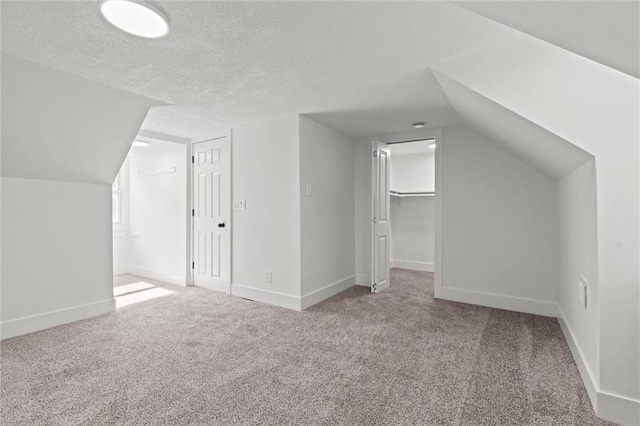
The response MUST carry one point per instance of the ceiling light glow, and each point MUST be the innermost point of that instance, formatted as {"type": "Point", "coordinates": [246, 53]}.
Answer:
{"type": "Point", "coordinates": [418, 125]}
{"type": "Point", "coordinates": [139, 144]}
{"type": "Point", "coordinates": [137, 17]}
{"type": "Point", "coordinates": [432, 145]}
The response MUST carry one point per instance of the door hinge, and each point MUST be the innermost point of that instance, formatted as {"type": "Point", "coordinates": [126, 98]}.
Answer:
{"type": "Point", "coordinates": [193, 159]}
{"type": "Point", "coordinates": [375, 220]}
{"type": "Point", "coordinates": [193, 265]}
{"type": "Point", "coordinates": [193, 212]}
{"type": "Point", "coordinates": [375, 153]}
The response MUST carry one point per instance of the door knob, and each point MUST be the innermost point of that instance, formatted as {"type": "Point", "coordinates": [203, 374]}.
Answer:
{"type": "Point", "coordinates": [221, 225]}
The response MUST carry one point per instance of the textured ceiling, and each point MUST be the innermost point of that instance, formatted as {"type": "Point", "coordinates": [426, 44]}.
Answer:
{"type": "Point", "coordinates": [360, 67]}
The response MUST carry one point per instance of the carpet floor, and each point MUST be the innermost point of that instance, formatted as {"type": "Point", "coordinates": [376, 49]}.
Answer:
{"type": "Point", "coordinates": [199, 357]}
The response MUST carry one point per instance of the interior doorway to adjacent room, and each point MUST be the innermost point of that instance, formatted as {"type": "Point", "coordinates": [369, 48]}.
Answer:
{"type": "Point", "coordinates": [150, 219]}
{"type": "Point", "coordinates": [403, 207]}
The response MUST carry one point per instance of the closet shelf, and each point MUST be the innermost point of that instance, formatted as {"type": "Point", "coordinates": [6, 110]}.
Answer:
{"type": "Point", "coordinates": [411, 194]}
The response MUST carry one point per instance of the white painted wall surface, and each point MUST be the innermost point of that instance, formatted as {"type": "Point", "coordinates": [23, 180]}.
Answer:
{"type": "Point", "coordinates": [266, 236]}
{"type": "Point", "coordinates": [56, 253]}
{"type": "Point", "coordinates": [597, 109]}
{"type": "Point", "coordinates": [156, 244]}
{"type": "Point", "coordinates": [500, 225]}
{"type": "Point", "coordinates": [578, 243]}
{"type": "Point", "coordinates": [327, 226]}
{"type": "Point", "coordinates": [57, 245]}
{"type": "Point", "coordinates": [413, 172]}
{"type": "Point", "coordinates": [412, 218]}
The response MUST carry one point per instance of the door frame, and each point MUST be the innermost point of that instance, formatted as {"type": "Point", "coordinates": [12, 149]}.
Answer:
{"type": "Point", "coordinates": [438, 135]}
{"type": "Point", "coordinates": [190, 207]}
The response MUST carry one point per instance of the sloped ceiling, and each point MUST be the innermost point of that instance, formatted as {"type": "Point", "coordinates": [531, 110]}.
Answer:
{"type": "Point", "coordinates": [57, 126]}
{"type": "Point", "coordinates": [607, 32]}
{"type": "Point", "coordinates": [356, 65]}
{"type": "Point", "coordinates": [545, 151]}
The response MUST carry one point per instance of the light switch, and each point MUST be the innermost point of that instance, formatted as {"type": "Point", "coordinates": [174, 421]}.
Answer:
{"type": "Point", "coordinates": [309, 190]}
{"type": "Point", "coordinates": [240, 204]}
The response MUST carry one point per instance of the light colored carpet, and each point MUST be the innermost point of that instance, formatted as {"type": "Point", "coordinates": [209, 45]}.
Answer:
{"type": "Point", "coordinates": [199, 357]}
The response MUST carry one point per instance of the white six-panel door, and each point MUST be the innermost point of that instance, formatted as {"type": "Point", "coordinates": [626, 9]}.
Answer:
{"type": "Point", "coordinates": [211, 186]}
{"type": "Point", "coordinates": [381, 222]}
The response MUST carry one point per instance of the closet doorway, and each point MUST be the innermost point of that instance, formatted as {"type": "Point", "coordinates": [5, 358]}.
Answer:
{"type": "Point", "coordinates": [403, 208]}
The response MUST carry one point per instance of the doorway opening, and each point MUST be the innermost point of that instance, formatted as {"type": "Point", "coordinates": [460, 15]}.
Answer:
{"type": "Point", "coordinates": [403, 208]}
{"type": "Point", "coordinates": [150, 219]}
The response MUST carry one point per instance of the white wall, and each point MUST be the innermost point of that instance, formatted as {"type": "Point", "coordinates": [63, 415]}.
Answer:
{"type": "Point", "coordinates": [327, 226]}
{"type": "Point", "coordinates": [499, 227]}
{"type": "Point", "coordinates": [56, 253]}
{"type": "Point", "coordinates": [155, 246]}
{"type": "Point", "coordinates": [597, 109]}
{"type": "Point", "coordinates": [266, 236]}
{"type": "Point", "coordinates": [413, 218]}
{"type": "Point", "coordinates": [577, 230]}
{"type": "Point", "coordinates": [56, 243]}
{"type": "Point", "coordinates": [413, 172]}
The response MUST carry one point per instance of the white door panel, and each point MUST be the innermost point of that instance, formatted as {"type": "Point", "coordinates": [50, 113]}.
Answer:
{"type": "Point", "coordinates": [381, 223]}
{"type": "Point", "coordinates": [212, 214]}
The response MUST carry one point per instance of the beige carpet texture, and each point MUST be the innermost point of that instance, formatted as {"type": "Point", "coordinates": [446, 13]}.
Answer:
{"type": "Point", "coordinates": [197, 357]}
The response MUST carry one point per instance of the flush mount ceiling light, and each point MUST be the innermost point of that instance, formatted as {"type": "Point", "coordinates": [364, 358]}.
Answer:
{"type": "Point", "coordinates": [137, 17]}
{"type": "Point", "coordinates": [139, 144]}
{"type": "Point", "coordinates": [432, 145]}
{"type": "Point", "coordinates": [418, 125]}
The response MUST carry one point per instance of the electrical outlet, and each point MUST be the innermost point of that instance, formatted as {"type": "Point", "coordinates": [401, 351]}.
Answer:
{"type": "Point", "coordinates": [240, 204]}
{"type": "Point", "coordinates": [268, 277]}
{"type": "Point", "coordinates": [584, 293]}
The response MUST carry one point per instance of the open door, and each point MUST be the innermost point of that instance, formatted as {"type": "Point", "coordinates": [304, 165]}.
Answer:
{"type": "Point", "coordinates": [211, 254]}
{"type": "Point", "coordinates": [380, 217]}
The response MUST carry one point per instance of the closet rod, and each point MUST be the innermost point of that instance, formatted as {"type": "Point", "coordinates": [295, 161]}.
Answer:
{"type": "Point", "coordinates": [412, 194]}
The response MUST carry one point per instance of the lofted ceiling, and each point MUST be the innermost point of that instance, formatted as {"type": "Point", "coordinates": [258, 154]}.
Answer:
{"type": "Point", "coordinates": [607, 32]}
{"type": "Point", "coordinates": [360, 67]}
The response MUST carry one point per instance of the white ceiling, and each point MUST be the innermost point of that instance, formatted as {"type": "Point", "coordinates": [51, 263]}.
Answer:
{"type": "Point", "coordinates": [545, 151]}
{"type": "Point", "coordinates": [607, 32]}
{"type": "Point", "coordinates": [361, 67]}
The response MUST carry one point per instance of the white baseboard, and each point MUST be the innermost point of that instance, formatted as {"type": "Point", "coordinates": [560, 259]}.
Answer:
{"type": "Point", "coordinates": [612, 407]}
{"type": "Point", "coordinates": [119, 270]}
{"type": "Point", "coordinates": [414, 266]}
{"type": "Point", "coordinates": [266, 296]}
{"type": "Point", "coordinates": [296, 303]}
{"type": "Point", "coordinates": [588, 378]}
{"type": "Point", "coordinates": [499, 301]}
{"type": "Point", "coordinates": [151, 274]}
{"type": "Point", "coordinates": [319, 295]}
{"type": "Point", "coordinates": [363, 280]}
{"type": "Point", "coordinates": [33, 323]}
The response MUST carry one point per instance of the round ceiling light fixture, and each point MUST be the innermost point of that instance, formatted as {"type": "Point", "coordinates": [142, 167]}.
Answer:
{"type": "Point", "coordinates": [432, 145]}
{"type": "Point", "coordinates": [419, 125]}
{"type": "Point", "coordinates": [137, 17]}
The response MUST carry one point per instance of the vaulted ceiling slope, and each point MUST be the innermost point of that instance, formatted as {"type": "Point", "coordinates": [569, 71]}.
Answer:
{"type": "Point", "coordinates": [57, 126]}
{"type": "Point", "coordinates": [358, 65]}
{"type": "Point", "coordinates": [545, 151]}
{"type": "Point", "coordinates": [607, 32]}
